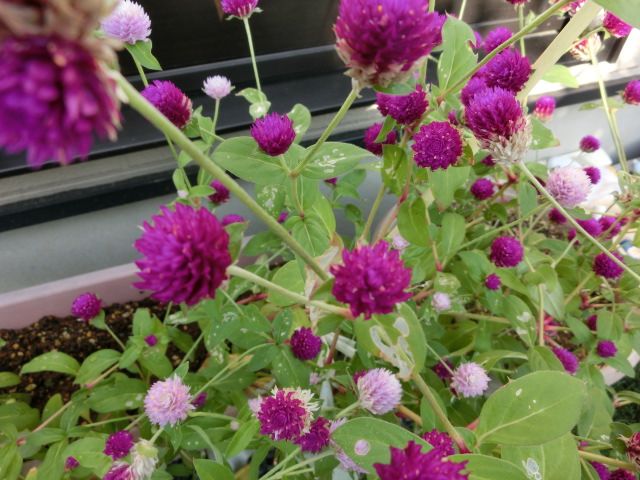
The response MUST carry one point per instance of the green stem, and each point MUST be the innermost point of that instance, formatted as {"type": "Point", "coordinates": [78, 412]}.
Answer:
{"type": "Point", "coordinates": [373, 212]}
{"type": "Point", "coordinates": [521, 26]}
{"type": "Point", "coordinates": [339, 116]}
{"type": "Point", "coordinates": [462, 9]}
{"type": "Point", "coordinates": [115, 337]}
{"type": "Point", "coordinates": [281, 464]}
{"type": "Point", "coordinates": [293, 470]}
{"type": "Point", "coordinates": [477, 316]}
{"type": "Point", "coordinates": [216, 113]}
{"type": "Point", "coordinates": [229, 366]}
{"type": "Point", "coordinates": [247, 29]}
{"type": "Point", "coordinates": [576, 290]}
{"type": "Point", "coordinates": [432, 6]}
{"type": "Point", "coordinates": [594, 457]}
{"type": "Point", "coordinates": [192, 349]}
{"type": "Point", "coordinates": [156, 435]}
{"type": "Point", "coordinates": [349, 409]}
{"type": "Point", "coordinates": [143, 77]}
{"type": "Point", "coordinates": [217, 416]}
{"type": "Point", "coordinates": [555, 263]}
{"type": "Point", "coordinates": [140, 104]}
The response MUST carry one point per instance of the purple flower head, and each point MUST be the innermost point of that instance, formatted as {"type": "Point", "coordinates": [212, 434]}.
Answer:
{"type": "Point", "coordinates": [601, 470]}
{"type": "Point", "coordinates": [591, 226]}
{"type": "Point", "coordinates": [571, 234]}
{"type": "Point", "coordinates": [473, 86]}
{"type": "Point", "coordinates": [331, 181]}
{"type": "Point", "coordinates": [286, 414]}
{"type": "Point", "coordinates": [497, 121]}
{"type": "Point", "coordinates": [411, 464]}
{"type": "Point", "coordinates": [506, 252]}
{"type": "Point", "coordinates": [186, 255]}
{"type": "Point", "coordinates": [128, 23]}
{"type": "Point", "coordinates": [452, 117]}
{"type": "Point", "coordinates": [556, 217]}
{"type": "Point", "coordinates": [61, 95]}
{"type": "Point", "coordinates": [545, 106]}
{"type": "Point", "coordinates": [621, 474]}
{"type": "Point", "coordinates": [379, 391]}
{"type": "Point", "coordinates": [568, 360]}
{"type": "Point", "coordinates": [569, 186]}
{"type": "Point", "coordinates": [239, 8]}
{"type": "Point", "coordinates": [594, 174]}
{"type": "Point", "coordinates": [282, 217]}
{"type": "Point", "coordinates": [217, 87]}
{"type": "Point", "coordinates": [170, 100]}
{"type": "Point", "coordinates": [372, 133]}
{"type": "Point", "coordinates": [119, 471]}
{"type": "Point", "coordinates": [488, 161]}
{"type": "Point", "coordinates": [371, 280]}
{"type": "Point", "coordinates": [495, 38]}
{"type": "Point", "coordinates": [493, 282]}
{"type": "Point", "coordinates": [631, 94]}
{"type": "Point", "coordinates": [358, 375]}
{"type": "Point", "coordinates": [168, 402]}
{"type": "Point", "coordinates": [633, 449]}
{"type": "Point", "coordinates": [610, 224]}
{"type": "Point", "coordinates": [437, 145]}
{"type": "Point", "coordinates": [470, 380]}
{"type": "Point", "coordinates": [509, 70]}
{"type": "Point", "coordinates": [482, 189]}
{"type": "Point", "coordinates": [86, 306]}
{"type": "Point", "coordinates": [71, 464]}
{"type": "Point", "coordinates": [231, 219]}
{"type": "Point", "coordinates": [517, 2]}
{"type": "Point", "coordinates": [304, 344]}
{"type": "Point", "coordinates": [200, 400]}
{"type": "Point", "coordinates": [592, 322]}
{"type": "Point", "coordinates": [607, 268]}
{"type": "Point", "coordinates": [404, 109]}
{"type": "Point", "coordinates": [274, 133]}
{"type": "Point", "coordinates": [442, 371]}
{"type": "Point", "coordinates": [440, 441]}
{"type": "Point", "coordinates": [441, 302]}
{"type": "Point", "coordinates": [616, 26]}
{"type": "Point", "coordinates": [606, 349]}
{"type": "Point", "coordinates": [589, 144]}
{"type": "Point", "coordinates": [381, 40]}
{"type": "Point", "coordinates": [317, 438]}
{"type": "Point", "coordinates": [118, 445]}
{"type": "Point", "coordinates": [221, 194]}
{"type": "Point", "coordinates": [151, 340]}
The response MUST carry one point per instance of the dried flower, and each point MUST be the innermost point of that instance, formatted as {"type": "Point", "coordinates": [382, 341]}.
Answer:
{"type": "Point", "coordinates": [410, 463]}
{"type": "Point", "coordinates": [286, 414]}
{"type": "Point", "coordinates": [594, 174]}
{"type": "Point", "coordinates": [482, 188]}
{"type": "Point", "coordinates": [379, 391]}
{"type": "Point", "coordinates": [128, 23]}
{"type": "Point", "coordinates": [616, 26]}
{"type": "Point", "coordinates": [441, 302]}
{"type": "Point", "coordinates": [493, 282]}
{"type": "Point", "coordinates": [119, 445]}
{"type": "Point", "coordinates": [631, 94]}
{"type": "Point", "coordinates": [170, 101]}
{"type": "Point", "coordinates": [581, 50]}
{"type": "Point", "coordinates": [372, 133]}
{"type": "Point", "coordinates": [495, 38]}
{"type": "Point", "coordinates": [437, 145]}
{"type": "Point", "coordinates": [470, 380]}
{"type": "Point", "coordinates": [217, 87]}
{"type": "Point", "coordinates": [606, 349]}
{"type": "Point", "coordinates": [506, 252]}
{"type": "Point", "coordinates": [86, 306]}
{"type": "Point", "coordinates": [317, 438]}
{"type": "Point", "coordinates": [545, 106]}
{"type": "Point", "coordinates": [568, 360]}
{"type": "Point", "coordinates": [606, 267]}
{"type": "Point", "coordinates": [274, 133]}
{"type": "Point", "coordinates": [589, 144]}
{"type": "Point", "coordinates": [168, 402]}
{"type": "Point", "coordinates": [569, 186]}
{"type": "Point", "coordinates": [239, 8]}
{"type": "Point", "coordinates": [304, 344]}
{"type": "Point", "coordinates": [144, 459]}
{"type": "Point", "coordinates": [508, 70]}
{"type": "Point", "coordinates": [404, 109]}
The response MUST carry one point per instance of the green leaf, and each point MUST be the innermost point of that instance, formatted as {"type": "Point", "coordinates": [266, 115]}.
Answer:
{"type": "Point", "coordinates": [541, 358]}
{"type": "Point", "coordinates": [527, 198]}
{"type": "Point", "coordinates": [457, 58]}
{"type": "Point", "coordinates": [210, 470]}
{"type": "Point", "coordinates": [271, 198]}
{"type": "Point", "coordinates": [141, 52]}
{"type": "Point", "coordinates": [88, 452]}
{"type": "Point", "coordinates": [242, 438]}
{"type": "Point", "coordinates": [412, 222]}
{"type": "Point", "coordinates": [627, 10]}
{"type": "Point", "coordinates": [394, 168]}
{"type": "Point", "coordinates": [95, 364]}
{"type": "Point", "coordinates": [324, 211]}
{"type": "Point", "coordinates": [523, 321]}
{"type": "Point", "coordinates": [154, 360]}
{"type": "Point", "coordinates": [444, 183]}
{"type": "Point", "coordinates": [542, 137]}
{"type": "Point", "coordinates": [19, 414]}
{"type": "Point", "coordinates": [289, 277]}
{"type": "Point", "coordinates": [451, 235]}
{"type": "Point", "coordinates": [52, 362]}
{"type": "Point", "coordinates": [531, 410]}
{"type": "Point", "coordinates": [301, 118]}
{"type": "Point", "coordinates": [123, 394]}
{"type": "Point", "coordinates": [555, 460]}
{"type": "Point", "coordinates": [242, 157]}
{"type": "Point", "coordinates": [289, 371]}
{"type": "Point", "coordinates": [334, 159]}
{"type": "Point", "coordinates": [53, 465]}
{"type": "Point", "coordinates": [258, 100]}
{"type": "Point", "coordinates": [10, 462]}
{"type": "Point", "coordinates": [310, 231]}
{"type": "Point", "coordinates": [562, 75]}
{"type": "Point", "coordinates": [8, 379]}
{"type": "Point", "coordinates": [483, 467]}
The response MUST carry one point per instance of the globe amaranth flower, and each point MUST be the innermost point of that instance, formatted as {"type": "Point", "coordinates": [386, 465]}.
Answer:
{"type": "Point", "coordinates": [555, 216]}
{"type": "Point", "coordinates": [631, 94]}
{"type": "Point", "coordinates": [568, 359]}
{"type": "Point", "coordinates": [452, 117]}
{"type": "Point", "coordinates": [119, 471]}
{"type": "Point", "coordinates": [616, 26]}
{"type": "Point", "coordinates": [61, 95]}
{"type": "Point", "coordinates": [470, 380]}
{"type": "Point", "coordinates": [495, 38]}
{"type": "Point", "coordinates": [441, 302]}
{"type": "Point", "coordinates": [589, 144]}
{"type": "Point", "coordinates": [509, 70]}
{"type": "Point", "coordinates": [411, 463]}
{"type": "Point", "coordinates": [304, 344]}
{"type": "Point", "coordinates": [594, 174]}
{"type": "Point", "coordinates": [398, 242]}
{"type": "Point", "coordinates": [621, 474]}
{"type": "Point", "coordinates": [569, 186]}
{"type": "Point", "coordinates": [545, 106]}
{"type": "Point", "coordinates": [506, 252]}
{"type": "Point", "coordinates": [371, 280]}
{"type": "Point", "coordinates": [381, 40]}
{"type": "Point", "coordinates": [601, 470]}
{"type": "Point", "coordinates": [217, 87]}
{"type": "Point", "coordinates": [517, 2]}
{"type": "Point", "coordinates": [482, 188]}
{"type": "Point", "coordinates": [404, 109]}
{"type": "Point", "coordinates": [282, 216]}
{"type": "Point", "coordinates": [274, 133]}
{"type": "Point", "coordinates": [443, 369]}
{"type": "Point", "coordinates": [610, 225]}
{"type": "Point", "coordinates": [151, 340]}
{"type": "Point", "coordinates": [168, 402]}
{"type": "Point", "coordinates": [286, 414]}
{"type": "Point", "coordinates": [633, 448]}
{"type": "Point", "coordinates": [592, 322]}
{"type": "Point", "coordinates": [488, 161]}
{"type": "Point", "coordinates": [581, 50]}
{"type": "Point", "coordinates": [372, 133]}
{"type": "Point", "coordinates": [440, 441]}
{"type": "Point", "coordinates": [497, 121]}
{"type": "Point", "coordinates": [86, 306]}
{"type": "Point", "coordinates": [186, 255]}
{"type": "Point", "coordinates": [239, 8]}
{"type": "Point", "coordinates": [221, 193]}
{"type": "Point", "coordinates": [379, 391]}
{"type": "Point", "coordinates": [493, 282]}
{"type": "Point", "coordinates": [591, 226]}
{"type": "Point", "coordinates": [606, 267]}
{"type": "Point", "coordinates": [317, 438]}
{"type": "Point", "coordinates": [118, 445]}
{"type": "Point", "coordinates": [144, 459]}
{"type": "Point", "coordinates": [231, 219]}
{"type": "Point", "coordinates": [346, 463]}
{"type": "Point", "coordinates": [128, 23]}
{"type": "Point", "coordinates": [437, 145]}
{"type": "Point", "coordinates": [71, 463]}
{"type": "Point", "coordinates": [475, 85]}
{"type": "Point", "coordinates": [606, 349]}
{"type": "Point", "coordinates": [170, 101]}
{"type": "Point", "coordinates": [199, 400]}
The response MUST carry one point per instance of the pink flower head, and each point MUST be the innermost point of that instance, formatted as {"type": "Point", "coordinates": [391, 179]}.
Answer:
{"type": "Point", "coordinates": [601, 470]}
{"type": "Point", "coordinates": [168, 402]}
{"type": "Point", "coordinates": [170, 101]}
{"type": "Point", "coordinates": [273, 133]}
{"type": "Point", "coordinates": [591, 226]}
{"type": "Point", "coordinates": [594, 174]}
{"type": "Point", "coordinates": [509, 70]}
{"type": "Point", "coordinates": [495, 38]}
{"type": "Point", "coordinates": [239, 8]}
{"type": "Point", "coordinates": [119, 445]}
{"type": "Point", "coordinates": [555, 216]}
{"type": "Point", "coordinates": [186, 255]}
{"type": "Point", "coordinates": [606, 349]}
{"type": "Point", "coordinates": [545, 106]}
{"type": "Point", "coordinates": [231, 219]}
{"type": "Point", "coordinates": [612, 225]}
{"type": "Point", "coordinates": [569, 186]}
{"type": "Point", "coordinates": [443, 369]}
{"type": "Point", "coordinates": [412, 464]}
{"type": "Point", "coordinates": [506, 252]}
{"type": "Point", "coordinates": [304, 344]}
{"type": "Point", "coordinates": [286, 414]}
{"type": "Point", "coordinates": [379, 391]}
{"type": "Point", "coordinates": [631, 94]}
{"type": "Point", "coordinates": [493, 282]}
{"type": "Point", "coordinates": [607, 268]}
{"type": "Point", "coordinates": [381, 40]}
{"type": "Point", "coordinates": [440, 441]}
{"type": "Point", "coordinates": [568, 360]}
{"type": "Point", "coordinates": [437, 145]}
{"type": "Point", "coordinates": [119, 471]}
{"type": "Point", "coordinates": [616, 26]}
{"type": "Point", "coordinates": [372, 133]}
{"type": "Point", "coordinates": [86, 306]}
{"type": "Point", "coordinates": [441, 302]}
{"type": "Point", "coordinates": [622, 474]}
{"type": "Point", "coordinates": [404, 109]}
{"type": "Point", "coordinates": [317, 438]}
{"type": "Point", "coordinates": [475, 85]}
{"type": "Point", "coordinates": [217, 87]}
{"type": "Point", "coordinates": [470, 380]}
{"type": "Point", "coordinates": [128, 23]}
{"type": "Point", "coordinates": [589, 144]}
{"type": "Point", "coordinates": [482, 189]}
{"type": "Point", "coordinates": [221, 194]}
{"type": "Point", "coordinates": [371, 280]}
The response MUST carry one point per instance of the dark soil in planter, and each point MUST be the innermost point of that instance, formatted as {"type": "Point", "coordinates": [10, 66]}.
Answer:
{"type": "Point", "coordinates": [77, 339]}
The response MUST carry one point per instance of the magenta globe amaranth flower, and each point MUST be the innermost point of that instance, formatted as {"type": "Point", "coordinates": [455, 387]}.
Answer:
{"type": "Point", "coordinates": [592, 322]}
{"type": "Point", "coordinates": [286, 414]}
{"type": "Point", "coordinates": [493, 282]}
{"type": "Point", "coordinates": [606, 267]}
{"type": "Point", "coordinates": [606, 349]}
{"type": "Point", "coordinates": [611, 225]}
{"type": "Point", "coordinates": [440, 441]}
{"type": "Point", "coordinates": [589, 144]}
{"type": "Point", "coordinates": [199, 400]}
{"type": "Point", "coordinates": [631, 94]}
{"type": "Point", "coordinates": [569, 186]}
{"type": "Point", "coordinates": [475, 85]}
{"type": "Point", "coordinates": [488, 161]}
{"type": "Point", "coordinates": [482, 188]}
{"type": "Point", "coordinates": [437, 145]}
{"type": "Point", "coordinates": [545, 106]}
{"type": "Point", "coordinates": [594, 174]}
{"type": "Point", "coordinates": [239, 8]}
{"type": "Point", "coordinates": [379, 391]}
{"type": "Point", "coordinates": [128, 23]}
{"type": "Point", "coordinates": [118, 445]}
{"type": "Point", "coordinates": [404, 109]}
{"type": "Point", "coordinates": [633, 448]}
{"type": "Point", "coordinates": [231, 219]}
{"type": "Point", "coordinates": [170, 101]}
{"type": "Point", "coordinates": [274, 133]}
{"type": "Point", "coordinates": [470, 380]}
{"type": "Point", "coordinates": [186, 255]}
{"type": "Point", "coordinates": [517, 2]}
{"type": "Point", "coordinates": [371, 280]}
{"type": "Point", "coordinates": [602, 470]}
{"type": "Point", "coordinates": [86, 306]}
{"type": "Point", "coordinates": [151, 340]}
{"type": "Point", "coordinates": [372, 133]}
{"type": "Point", "coordinates": [381, 40]}
{"type": "Point", "coordinates": [61, 96]}
{"type": "Point", "coordinates": [317, 438]}
{"type": "Point", "coordinates": [592, 226]}
{"type": "Point", "coordinates": [304, 344]}
{"type": "Point", "coordinates": [217, 87]}
{"type": "Point", "coordinates": [568, 359]}
{"type": "Point", "coordinates": [509, 70]}
{"type": "Point", "coordinates": [71, 463]}
{"type": "Point", "coordinates": [495, 38]}
{"type": "Point", "coordinates": [221, 194]}
{"type": "Point", "coordinates": [443, 369]}
{"type": "Point", "coordinates": [411, 463]}
{"type": "Point", "coordinates": [168, 402]}
{"type": "Point", "coordinates": [506, 252]}
{"type": "Point", "coordinates": [119, 471]}
{"type": "Point", "coordinates": [616, 26]}
{"type": "Point", "coordinates": [622, 474]}
{"type": "Point", "coordinates": [555, 216]}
